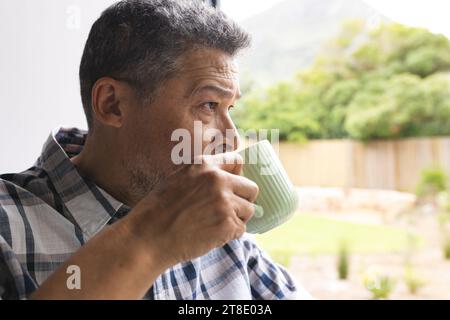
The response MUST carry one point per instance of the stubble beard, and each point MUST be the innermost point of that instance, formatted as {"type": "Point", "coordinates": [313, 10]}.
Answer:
{"type": "Point", "coordinates": [143, 176]}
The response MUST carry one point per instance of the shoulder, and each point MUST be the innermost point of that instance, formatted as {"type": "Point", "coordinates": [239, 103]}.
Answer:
{"type": "Point", "coordinates": [21, 196]}
{"type": "Point", "coordinates": [25, 186]}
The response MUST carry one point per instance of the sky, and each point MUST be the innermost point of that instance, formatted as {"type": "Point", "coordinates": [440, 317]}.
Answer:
{"type": "Point", "coordinates": [430, 14]}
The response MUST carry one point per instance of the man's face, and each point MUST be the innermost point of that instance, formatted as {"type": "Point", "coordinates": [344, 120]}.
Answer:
{"type": "Point", "coordinates": [203, 92]}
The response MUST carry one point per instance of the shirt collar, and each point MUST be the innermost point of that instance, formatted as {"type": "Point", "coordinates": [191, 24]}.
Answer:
{"type": "Point", "coordinates": [90, 206]}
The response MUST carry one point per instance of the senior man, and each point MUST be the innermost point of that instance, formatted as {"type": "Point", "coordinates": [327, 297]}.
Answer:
{"type": "Point", "coordinates": [106, 214]}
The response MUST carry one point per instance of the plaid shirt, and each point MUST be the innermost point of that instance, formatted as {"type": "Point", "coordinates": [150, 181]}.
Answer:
{"type": "Point", "coordinates": [49, 211]}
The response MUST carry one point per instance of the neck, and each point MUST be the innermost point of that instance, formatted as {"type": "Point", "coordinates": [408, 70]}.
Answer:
{"type": "Point", "coordinates": [99, 164]}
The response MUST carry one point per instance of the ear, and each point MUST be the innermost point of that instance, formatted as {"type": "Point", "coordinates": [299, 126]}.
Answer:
{"type": "Point", "coordinates": [108, 101]}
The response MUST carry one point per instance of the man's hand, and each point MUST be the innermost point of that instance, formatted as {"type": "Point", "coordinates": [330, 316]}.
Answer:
{"type": "Point", "coordinates": [198, 208]}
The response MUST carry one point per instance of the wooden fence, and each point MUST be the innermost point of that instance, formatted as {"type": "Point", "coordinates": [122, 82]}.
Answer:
{"type": "Point", "coordinates": [391, 164]}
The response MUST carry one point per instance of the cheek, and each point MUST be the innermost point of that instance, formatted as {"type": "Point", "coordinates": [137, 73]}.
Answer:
{"type": "Point", "coordinates": [163, 124]}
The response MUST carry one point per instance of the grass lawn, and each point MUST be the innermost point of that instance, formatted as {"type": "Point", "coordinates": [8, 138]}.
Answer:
{"type": "Point", "coordinates": [308, 233]}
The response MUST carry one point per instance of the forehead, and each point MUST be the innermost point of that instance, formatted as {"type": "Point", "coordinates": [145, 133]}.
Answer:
{"type": "Point", "coordinates": [204, 64]}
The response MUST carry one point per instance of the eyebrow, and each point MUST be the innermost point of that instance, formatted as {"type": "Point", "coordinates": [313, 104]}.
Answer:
{"type": "Point", "coordinates": [227, 93]}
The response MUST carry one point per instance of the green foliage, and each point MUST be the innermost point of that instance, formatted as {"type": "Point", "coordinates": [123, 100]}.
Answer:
{"type": "Point", "coordinates": [343, 261]}
{"type": "Point", "coordinates": [446, 247]}
{"type": "Point", "coordinates": [390, 83]}
{"type": "Point", "coordinates": [294, 116]}
{"type": "Point", "coordinates": [432, 181]}
{"type": "Point", "coordinates": [381, 286]}
{"type": "Point", "coordinates": [443, 202]}
{"type": "Point", "coordinates": [413, 280]}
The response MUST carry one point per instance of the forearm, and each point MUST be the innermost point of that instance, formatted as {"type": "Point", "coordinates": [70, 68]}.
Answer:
{"type": "Point", "coordinates": [113, 264]}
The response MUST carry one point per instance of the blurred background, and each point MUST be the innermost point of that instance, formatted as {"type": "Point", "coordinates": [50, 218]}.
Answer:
{"type": "Point", "coordinates": [360, 91]}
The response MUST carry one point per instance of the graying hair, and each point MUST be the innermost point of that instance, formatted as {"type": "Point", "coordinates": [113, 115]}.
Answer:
{"type": "Point", "coordinates": [139, 41]}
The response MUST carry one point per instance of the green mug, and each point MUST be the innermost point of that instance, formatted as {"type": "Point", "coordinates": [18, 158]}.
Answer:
{"type": "Point", "coordinates": [277, 199]}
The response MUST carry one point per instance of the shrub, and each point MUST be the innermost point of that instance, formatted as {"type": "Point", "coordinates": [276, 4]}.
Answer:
{"type": "Point", "coordinates": [380, 285]}
{"type": "Point", "coordinates": [446, 247]}
{"type": "Point", "coordinates": [343, 261]}
{"type": "Point", "coordinates": [432, 181]}
{"type": "Point", "coordinates": [413, 280]}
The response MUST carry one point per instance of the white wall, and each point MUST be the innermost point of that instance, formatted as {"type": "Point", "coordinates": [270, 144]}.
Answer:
{"type": "Point", "coordinates": [41, 43]}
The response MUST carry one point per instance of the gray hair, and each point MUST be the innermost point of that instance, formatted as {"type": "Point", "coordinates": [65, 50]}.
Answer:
{"type": "Point", "coordinates": [139, 41]}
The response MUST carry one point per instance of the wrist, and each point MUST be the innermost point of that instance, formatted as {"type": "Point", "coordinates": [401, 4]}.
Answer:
{"type": "Point", "coordinates": [142, 250]}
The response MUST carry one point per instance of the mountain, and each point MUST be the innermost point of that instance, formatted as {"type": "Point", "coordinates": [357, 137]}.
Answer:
{"type": "Point", "coordinates": [287, 37]}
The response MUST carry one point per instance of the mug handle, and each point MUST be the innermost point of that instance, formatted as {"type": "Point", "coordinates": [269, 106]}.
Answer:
{"type": "Point", "coordinates": [259, 211]}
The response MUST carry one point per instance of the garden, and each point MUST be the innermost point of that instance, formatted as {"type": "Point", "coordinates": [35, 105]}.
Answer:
{"type": "Point", "coordinates": [387, 84]}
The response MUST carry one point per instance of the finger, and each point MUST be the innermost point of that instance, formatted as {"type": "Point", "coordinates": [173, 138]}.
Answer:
{"type": "Point", "coordinates": [243, 187]}
{"type": "Point", "coordinates": [229, 161]}
{"type": "Point", "coordinates": [243, 208]}
{"type": "Point", "coordinates": [240, 230]}
{"type": "Point", "coordinates": [240, 227]}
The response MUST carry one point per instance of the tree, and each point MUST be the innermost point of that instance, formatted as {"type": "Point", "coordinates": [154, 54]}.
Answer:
{"type": "Point", "coordinates": [387, 83]}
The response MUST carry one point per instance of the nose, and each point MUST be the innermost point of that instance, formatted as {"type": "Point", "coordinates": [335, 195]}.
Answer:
{"type": "Point", "coordinates": [232, 139]}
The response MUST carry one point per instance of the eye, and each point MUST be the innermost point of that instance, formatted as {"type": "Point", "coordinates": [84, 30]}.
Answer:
{"type": "Point", "coordinates": [210, 106]}
{"type": "Point", "coordinates": [230, 107]}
